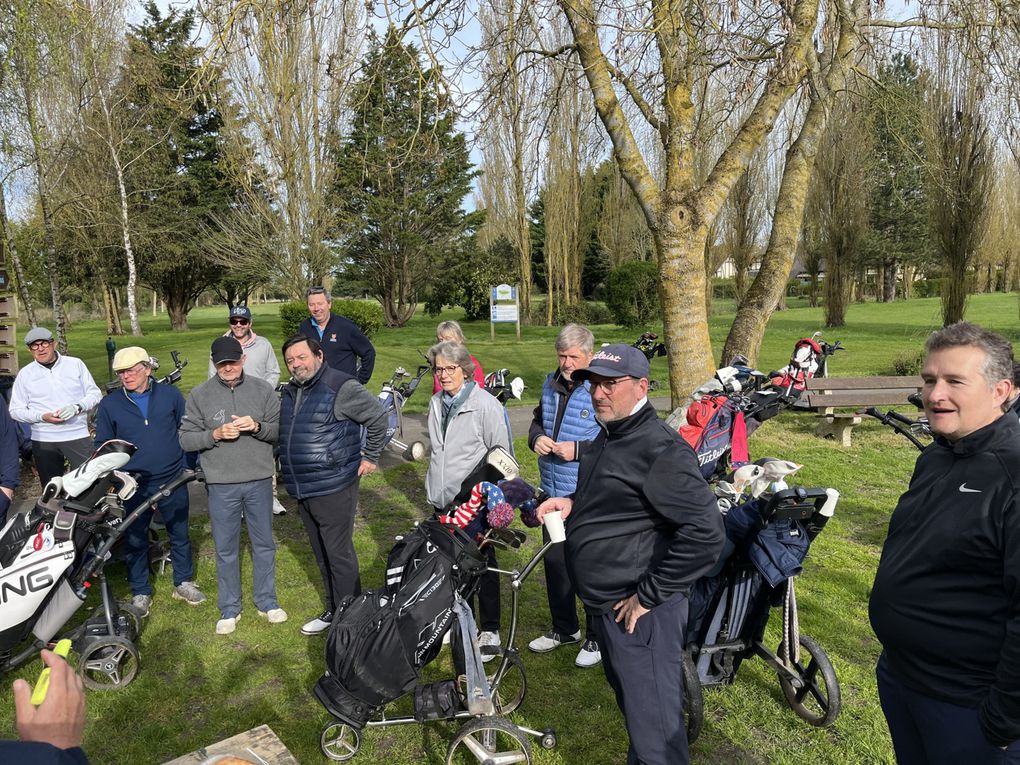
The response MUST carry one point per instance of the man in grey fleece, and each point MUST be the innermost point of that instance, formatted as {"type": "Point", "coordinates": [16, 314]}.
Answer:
{"type": "Point", "coordinates": [233, 419]}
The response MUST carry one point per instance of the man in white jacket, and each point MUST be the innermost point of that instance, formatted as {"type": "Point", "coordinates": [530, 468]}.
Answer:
{"type": "Point", "coordinates": [53, 394]}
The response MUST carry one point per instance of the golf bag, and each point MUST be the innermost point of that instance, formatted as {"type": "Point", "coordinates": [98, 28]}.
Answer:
{"type": "Point", "coordinates": [380, 640]}
{"type": "Point", "coordinates": [48, 553]}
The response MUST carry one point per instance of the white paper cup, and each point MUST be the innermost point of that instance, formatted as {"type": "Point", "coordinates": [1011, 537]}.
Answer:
{"type": "Point", "coordinates": [554, 525]}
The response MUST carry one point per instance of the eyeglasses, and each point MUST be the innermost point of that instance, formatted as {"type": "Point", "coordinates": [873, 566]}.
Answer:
{"type": "Point", "coordinates": [239, 321]}
{"type": "Point", "coordinates": [609, 385]}
{"type": "Point", "coordinates": [440, 371]}
{"type": "Point", "coordinates": [315, 291]}
{"type": "Point", "coordinates": [38, 345]}
{"type": "Point", "coordinates": [131, 371]}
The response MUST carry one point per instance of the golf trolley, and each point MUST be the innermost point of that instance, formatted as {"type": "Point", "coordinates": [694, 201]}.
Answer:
{"type": "Point", "coordinates": [482, 701]}
{"type": "Point", "coordinates": [394, 393]}
{"type": "Point", "coordinates": [730, 607]}
{"type": "Point", "coordinates": [49, 557]}
{"type": "Point", "coordinates": [911, 429]}
{"type": "Point", "coordinates": [650, 348]}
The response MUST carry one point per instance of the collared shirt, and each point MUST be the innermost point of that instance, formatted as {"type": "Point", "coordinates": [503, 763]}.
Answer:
{"type": "Point", "coordinates": [39, 390]}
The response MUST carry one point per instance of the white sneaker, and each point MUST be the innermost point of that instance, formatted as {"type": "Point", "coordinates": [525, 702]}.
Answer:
{"type": "Point", "coordinates": [278, 508]}
{"type": "Point", "coordinates": [274, 615]}
{"type": "Point", "coordinates": [589, 655]}
{"type": "Point", "coordinates": [551, 640]}
{"type": "Point", "coordinates": [488, 639]}
{"type": "Point", "coordinates": [226, 626]}
{"type": "Point", "coordinates": [319, 624]}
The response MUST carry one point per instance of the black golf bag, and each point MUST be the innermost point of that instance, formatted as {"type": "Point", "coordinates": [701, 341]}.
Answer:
{"type": "Point", "coordinates": [380, 640]}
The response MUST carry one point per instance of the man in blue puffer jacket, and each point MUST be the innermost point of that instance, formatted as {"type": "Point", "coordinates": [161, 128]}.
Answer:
{"type": "Point", "coordinates": [322, 458]}
{"type": "Point", "coordinates": [563, 420]}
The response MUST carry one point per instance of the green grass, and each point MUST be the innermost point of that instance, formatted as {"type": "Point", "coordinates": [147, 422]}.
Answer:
{"type": "Point", "coordinates": [195, 688]}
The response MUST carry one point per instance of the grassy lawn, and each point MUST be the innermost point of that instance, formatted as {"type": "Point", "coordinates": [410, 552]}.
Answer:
{"type": "Point", "coordinates": [195, 687]}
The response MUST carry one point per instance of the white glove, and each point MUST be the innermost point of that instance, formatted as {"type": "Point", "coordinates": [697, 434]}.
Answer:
{"type": "Point", "coordinates": [68, 412]}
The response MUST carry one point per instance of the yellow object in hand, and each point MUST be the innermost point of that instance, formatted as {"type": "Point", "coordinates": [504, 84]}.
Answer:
{"type": "Point", "coordinates": [61, 649]}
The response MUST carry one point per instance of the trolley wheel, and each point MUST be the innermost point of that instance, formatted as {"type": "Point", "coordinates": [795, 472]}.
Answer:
{"type": "Point", "coordinates": [548, 740]}
{"type": "Point", "coordinates": [513, 686]}
{"type": "Point", "coordinates": [134, 617]}
{"type": "Point", "coordinates": [108, 663]}
{"type": "Point", "coordinates": [415, 451]}
{"type": "Point", "coordinates": [817, 703]}
{"type": "Point", "coordinates": [489, 740]}
{"type": "Point", "coordinates": [694, 701]}
{"type": "Point", "coordinates": [339, 741]}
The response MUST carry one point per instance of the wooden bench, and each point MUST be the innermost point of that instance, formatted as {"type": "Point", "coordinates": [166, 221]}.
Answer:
{"type": "Point", "coordinates": [827, 394]}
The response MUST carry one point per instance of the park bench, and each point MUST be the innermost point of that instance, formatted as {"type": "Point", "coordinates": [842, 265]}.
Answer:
{"type": "Point", "coordinates": [827, 394]}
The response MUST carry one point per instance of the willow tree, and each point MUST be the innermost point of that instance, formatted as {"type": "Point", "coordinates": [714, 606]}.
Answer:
{"type": "Point", "coordinates": [290, 67]}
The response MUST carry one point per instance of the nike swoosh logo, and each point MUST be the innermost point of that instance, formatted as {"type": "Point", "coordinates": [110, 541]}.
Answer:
{"type": "Point", "coordinates": [965, 490]}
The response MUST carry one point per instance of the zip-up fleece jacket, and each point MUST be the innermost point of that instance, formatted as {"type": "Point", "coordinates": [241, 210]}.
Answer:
{"type": "Point", "coordinates": [259, 359]}
{"type": "Point", "coordinates": [477, 426]}
{"type": "Point", "coordinates": [643, 520]}
{"type": "Point", "coordinates": [159, 456]}
{"type": "Point", "coordinates": [321, 423]}
{"type": "Point", "coordinates": [343, 346]}
{"type": "Point", "coordinates": [564, 415]}
{"type": "Point", "coordinates": [249, 457]}
{"type": "Point", "coordinates": [946, 599]}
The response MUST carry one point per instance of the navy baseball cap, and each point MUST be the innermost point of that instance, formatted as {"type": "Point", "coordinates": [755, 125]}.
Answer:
{"type": "Point", "coordinates": [616, 360]}
{"type": "Point", "coordinates": [240, 312]}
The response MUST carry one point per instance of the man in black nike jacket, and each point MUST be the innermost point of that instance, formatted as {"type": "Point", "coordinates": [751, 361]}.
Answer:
{"type": "Point", "coordinates": [642, 527]}
{"type": "Point", "coordinates": [946, 599]}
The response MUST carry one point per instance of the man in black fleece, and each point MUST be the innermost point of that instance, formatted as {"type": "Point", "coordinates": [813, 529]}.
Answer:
{"type": "Point", "coordinates": [946, 599]}
{"type": "Point", "coordinates": [642, 527]}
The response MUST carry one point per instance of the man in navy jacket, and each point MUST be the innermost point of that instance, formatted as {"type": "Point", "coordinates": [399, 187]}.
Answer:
{"type": "Point", "coordinates": [642, 526]}
{"type": "Point", "coordinates": [148, 414]}
{"type": "Point", "coordinates": [344, 346]}
{"type": "Point", "coordinates": [946, 599]}
{"type": "Point", "coordinates": [10, 460]}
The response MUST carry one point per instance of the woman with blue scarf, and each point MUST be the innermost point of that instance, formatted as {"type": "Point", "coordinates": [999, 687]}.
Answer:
{"type": "Point", "coordinates": [465, 422]}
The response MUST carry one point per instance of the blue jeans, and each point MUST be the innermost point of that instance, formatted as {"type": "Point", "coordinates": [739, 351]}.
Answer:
{"type": "Point", "coordinates": [174, 512]}
{"type": "Point", "coordinates": [926, 731]}
{"type": "Point", "coordinates": [226, 503]}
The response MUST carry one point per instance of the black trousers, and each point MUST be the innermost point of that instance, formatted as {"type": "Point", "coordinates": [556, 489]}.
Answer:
{"type": "Point", "coordinates": [645, 670]}
{"type": "Point", "coordinates": [926, 731]}
{"type": "Point", "coordinates": [329, 521]}
{"type": "Point", "coordinates": [488, 611]}
{"type": "Point", "coordinates": [560, 593]}
{"type": "Point", "coordinates": [49, 456]}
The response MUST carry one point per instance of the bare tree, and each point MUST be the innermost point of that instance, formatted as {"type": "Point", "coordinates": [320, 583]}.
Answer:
{"type": "Point", "coordinates": [511, 124]}
{"type": "Point", "coordinates": [37, 38]}
{"type": "Point", "coordinates": [290, 66]}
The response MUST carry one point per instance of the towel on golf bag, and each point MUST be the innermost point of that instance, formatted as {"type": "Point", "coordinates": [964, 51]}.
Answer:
{"type": "Point", "coordinates": [380, 640]}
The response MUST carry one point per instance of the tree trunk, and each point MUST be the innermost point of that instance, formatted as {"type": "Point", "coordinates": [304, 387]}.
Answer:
{"type": "Point", "coordinates": [908, 281]}
{"type": "Point", "coordinates": [768, 290]}
{"type": "Point", "coordinates": [889, 284]}
{"type": "Point", "coordinates": [837, 290]}
{"type": "Point", "coordinates": [129, 253]}
{"type": "Point", "coordinates": [19, 272]}
{"type": "Point", "coordinates": [178, 316]}
{"type": "Point", "coordinates": [682, 290]}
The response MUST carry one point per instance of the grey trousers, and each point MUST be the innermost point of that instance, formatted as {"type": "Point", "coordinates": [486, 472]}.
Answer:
{"type": "Point", "coordinates": [226, 503]}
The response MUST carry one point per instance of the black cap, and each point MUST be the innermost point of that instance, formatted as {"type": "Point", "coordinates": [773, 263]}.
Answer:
{"type": "Point", "coordinates": [226, 349]}
{"type": "Point", "coordinates": [617, 360]}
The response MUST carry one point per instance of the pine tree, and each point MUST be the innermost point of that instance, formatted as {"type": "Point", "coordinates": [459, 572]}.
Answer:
{"type": "Point", "coordinates": [402, 173]}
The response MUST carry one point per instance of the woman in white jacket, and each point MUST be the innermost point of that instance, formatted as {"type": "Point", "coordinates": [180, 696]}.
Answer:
{"type": "Point", "coordinates": [465, 422]}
